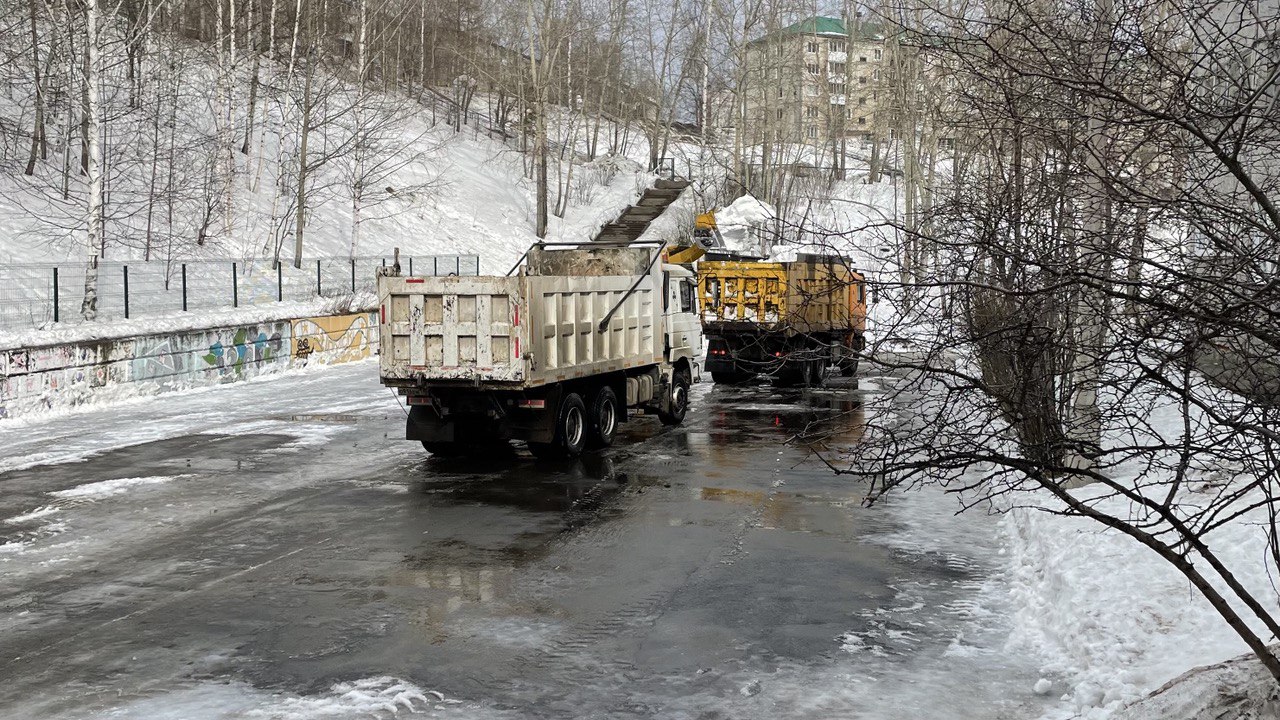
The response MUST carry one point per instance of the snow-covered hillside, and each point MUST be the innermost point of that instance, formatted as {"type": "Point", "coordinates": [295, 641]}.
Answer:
{"type": "Point", "coordinates": [471, 196]}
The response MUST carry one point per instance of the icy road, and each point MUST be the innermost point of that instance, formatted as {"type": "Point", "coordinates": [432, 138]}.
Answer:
{"type": "Point", "coordinates": [274, 549]}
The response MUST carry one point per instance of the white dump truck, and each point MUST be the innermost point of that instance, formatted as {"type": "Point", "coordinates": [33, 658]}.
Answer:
{"type": "Point", "coordinates": [557, 353]}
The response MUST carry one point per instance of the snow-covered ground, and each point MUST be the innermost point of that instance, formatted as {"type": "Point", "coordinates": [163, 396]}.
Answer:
{"type": "Point", "coordinates": [1112, 620]}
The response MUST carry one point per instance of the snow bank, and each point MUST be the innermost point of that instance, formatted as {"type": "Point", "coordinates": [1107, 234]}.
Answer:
{"type": "Point", "coordinates": [373, 697]}
{"type": "Point", "coordinates": [108, 488]}
{"type": "Point", "coordinates": [178, 321]}
{"type": "Point", "coordinates": [1112, 619]}
{"type": "Point", "coordinates": [1239, 689]}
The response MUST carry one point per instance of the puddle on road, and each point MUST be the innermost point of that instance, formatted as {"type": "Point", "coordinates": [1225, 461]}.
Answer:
{"type": "Point", "coordinates": [340, 418]}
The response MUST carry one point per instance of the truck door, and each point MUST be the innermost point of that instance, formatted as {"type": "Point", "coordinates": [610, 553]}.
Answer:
{"type": "Point", "coordinates": [684, 329]}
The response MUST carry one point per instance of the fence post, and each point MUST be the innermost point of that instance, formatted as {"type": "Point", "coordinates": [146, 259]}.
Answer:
{"type": "Point", "coordinates": [457, 265]}
{"type": "Point", "coordinates": [184, 287]}
{"type": "Point", "coordinates": [435, 265]}
{"type": "Point", "coordinates": [55, 293]}
{"type": "Point", "coordinates": [235, 287]}
{"type": "Point", "coordinates": [318, 291]}
{"type": "Point", "coordinates": [279, 281]}
{"type": "Point", "coordinates": [410, 266]}
{"type": "Point", "coordinates": [125, 268]}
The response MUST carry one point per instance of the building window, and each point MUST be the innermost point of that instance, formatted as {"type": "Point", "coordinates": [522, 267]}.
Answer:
{"type": "Point", "coordinates": [862, 58]}
{"type": "Point", "coordinates": [812, 131]}
{"type": "Point", "coordinates": [835, 45]}
{"type": "Point", "coordinates": [809, 112]}
{"type": "Point", "coordinates": [848, 113]}
{"type": "Point", "coordinates": [862, 100]}
{"type": "Point", "coordinates": [813, 68]}
{"type": "Point", "coordinates": [779, 93]}
{"type": "Point", "coordinates": [862, 79]}
{"type": "Point", "coordinates": [875, 74]}
{"type": "Point", "coordinates": [779, 114]}
{"type": "Point", "coordinates": [862, 121]}
{"type": "Point", "coordinates": [837, 68]}
{"type": "Point", "coordinates": [813, 46]}
{"type": "Point", "coordinates": [947, 143]}
{"type": "Point", "coordinates": [878, 54]}
{"type": "Point", "coordinates": [779, 47]}
{"type": "Point", "coordinates": [836, 88]}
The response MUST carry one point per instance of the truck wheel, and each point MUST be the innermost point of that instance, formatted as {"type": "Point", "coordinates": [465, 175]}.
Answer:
{"type": "Point", "coordinates": [849, 367]}
{"type": "Point", "coordinates": [819, 377]}
{"type": "Point", "coordinates": [603, 417]}
{"type": "Point", "coordinates": [679, 400]}
{"type": "Point", "coordinates": [571, 431]}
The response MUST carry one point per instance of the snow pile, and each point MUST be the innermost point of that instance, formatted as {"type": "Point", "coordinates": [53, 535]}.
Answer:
{"type": "Point", "coordinates": [379, 697]}
{"type": "Point", "coordinates": [108, 488]}
{"type": "Point", "coordinates": [1239, 689]}
{"type": "Point", "coordinates": [382, 697]}
{"type": "Point", "coordinates": [36, 514]}
{"type": "Point", "coordinates": [1112, 619]}
{"type": "Point", "coordinates": [739, 219]}
{"type": "Point", "coordinates": [178, 321]}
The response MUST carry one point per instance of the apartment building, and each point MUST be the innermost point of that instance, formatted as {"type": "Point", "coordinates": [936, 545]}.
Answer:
{"type": "Point", "coordinates": [813, 82]}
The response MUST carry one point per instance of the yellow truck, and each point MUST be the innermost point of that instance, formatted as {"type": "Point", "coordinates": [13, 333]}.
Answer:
{"type": "Point", "coordinates": [789, 320]}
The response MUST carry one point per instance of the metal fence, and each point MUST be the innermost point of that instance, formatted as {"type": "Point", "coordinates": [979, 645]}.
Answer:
{"type": "Point", "coordinates": [38, 295]}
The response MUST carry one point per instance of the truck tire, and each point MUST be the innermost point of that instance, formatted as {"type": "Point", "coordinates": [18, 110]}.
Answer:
{"type": "Point", "coordinates": [571, 431]}
{"type": "Point", "coordinates": [849, 366]}
{"type": "Point", "coordinates": [819, 378]}
{"type": "Point", "coordinates": [679, 400]}
{"type": "Point", "coordinates": [602, 418]}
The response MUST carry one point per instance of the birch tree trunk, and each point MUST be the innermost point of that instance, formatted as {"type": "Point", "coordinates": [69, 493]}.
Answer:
{"type": "Point", "coordinates": [1092, 308]}
{"type": "Point", "coordinates": [94, 238]}
{"type": "Point", "coordinates": [38, 147]}
{"type": "Point", "coordinates": [300, 217]}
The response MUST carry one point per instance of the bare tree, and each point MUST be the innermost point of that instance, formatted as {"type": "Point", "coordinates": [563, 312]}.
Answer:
{"type": "Point", "coordinates": [1048, 351]}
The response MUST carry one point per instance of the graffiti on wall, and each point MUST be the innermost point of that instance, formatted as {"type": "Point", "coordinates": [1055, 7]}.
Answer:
{"type": "Point", "coordinates": [234, 351]}
{"type": "Point", "coordinates": [335, 339]}
{"type": "Point", "coordinates": [34, 378]}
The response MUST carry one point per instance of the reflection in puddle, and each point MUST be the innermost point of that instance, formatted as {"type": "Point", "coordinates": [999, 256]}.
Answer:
{"type": "Point", "coordinates": [340, 418]}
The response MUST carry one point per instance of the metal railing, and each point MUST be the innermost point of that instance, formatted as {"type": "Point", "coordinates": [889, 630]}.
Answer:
{"type": "Point", "coordinates": [39, 295]}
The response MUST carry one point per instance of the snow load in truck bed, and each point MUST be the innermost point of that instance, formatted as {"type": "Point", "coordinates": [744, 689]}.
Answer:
{"type": "Point", "coordinates": [537, 327]}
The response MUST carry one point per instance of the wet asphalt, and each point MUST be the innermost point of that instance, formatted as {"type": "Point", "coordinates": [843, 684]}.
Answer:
{"type": "Point", "coordinates": [708, 571]}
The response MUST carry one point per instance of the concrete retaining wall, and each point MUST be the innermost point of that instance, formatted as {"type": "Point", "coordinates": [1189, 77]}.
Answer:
{"type": "Point", "coordinates": [42, 378]}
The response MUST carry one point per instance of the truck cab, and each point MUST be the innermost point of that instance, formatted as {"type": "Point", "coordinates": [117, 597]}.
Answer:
{"type": "Point", "coordinates": [684, 341]}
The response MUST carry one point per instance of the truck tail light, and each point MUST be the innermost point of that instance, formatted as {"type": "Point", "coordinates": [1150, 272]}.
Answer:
{"type": "Point", "coordinates": [414, 280]}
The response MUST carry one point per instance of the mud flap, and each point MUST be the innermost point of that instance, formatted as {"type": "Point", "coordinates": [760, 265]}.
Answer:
{"type": "Point", "coordinates": [425, 424]}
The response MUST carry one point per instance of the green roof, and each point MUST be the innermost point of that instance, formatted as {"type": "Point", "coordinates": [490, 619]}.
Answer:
{"type": "Point", "coordinates": [819, 25]}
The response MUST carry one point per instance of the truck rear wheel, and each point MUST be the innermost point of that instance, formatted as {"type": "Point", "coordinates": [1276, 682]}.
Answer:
{"type": "Point", "coordinates": [819, 377]}
{"type": "Point", "coordinates": [679, 399]}
{"type": "Point", "coordinates": [603, 417]}
{"type": "Point", "coordinates": [571, 431]}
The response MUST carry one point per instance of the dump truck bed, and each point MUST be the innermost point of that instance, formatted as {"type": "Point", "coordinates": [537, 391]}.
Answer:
{"type": "Point", "coordinates": [805, 296]}
{"type": "Point", "coordinates": [535, 328]}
